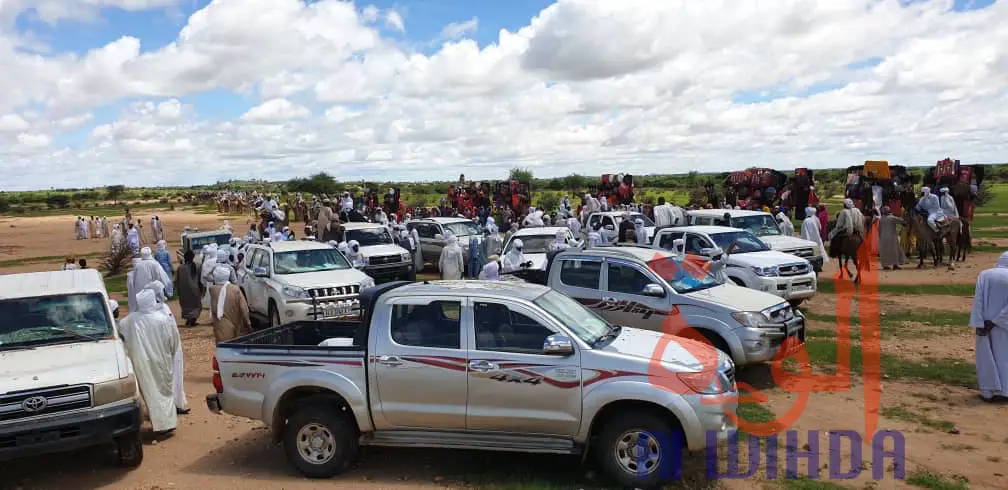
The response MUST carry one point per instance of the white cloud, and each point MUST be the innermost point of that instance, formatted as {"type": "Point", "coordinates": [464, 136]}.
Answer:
{"type": "Point", "coordinates": [456, 30]}
{"type": "Point", "coordinates": [276, 110]}
{"type": "Point", "coordinates": [644, 86]}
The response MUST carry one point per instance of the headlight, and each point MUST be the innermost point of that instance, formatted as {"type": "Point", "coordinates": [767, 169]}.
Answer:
{"type": "Point", "coordinates": [715, 385]}
{"type": "Point", "coordinates": [765, 271]}
{"type": "Point", "coordinates": [367, 282]}
{"type": "Point", "coordinates": [751, 319]}
{"type": "Point", "coordinates": [404, 257]}
{"type": "Point", "coordinates": [115, 391]}
{"type": "Point", "coordinates": [294, 292]}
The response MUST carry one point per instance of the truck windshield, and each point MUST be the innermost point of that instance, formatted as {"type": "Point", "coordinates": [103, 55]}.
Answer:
{"type": "Point", "coordinates": [581, 321]}
{"type": "Point", "coordinates": [200, 242]}
{"type": "Point", "coordinates": [744, 242]}
{"type": "Point", "coordinates": [532, 244]}
{"type": "Point", "coordinates": [759, 224]}
{"type": "Point", "coordinates": [370, 236]}
{"type": "Point", "coordinates": [301, 261]}
{"type": "Point", "coordinates": [462, 228]}
{"type": "Point", "coordinates": [685, 275]}
{"type": "Point", "coordinates": [637, 216]}
{"type": "Point", "coordinates": [47, 320]}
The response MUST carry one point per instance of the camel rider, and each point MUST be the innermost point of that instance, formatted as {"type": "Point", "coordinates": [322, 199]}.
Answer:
{"type": "Point", "coordinates": [844, 226]}
{"type": "Point", "coordinates": [514, 260]}
{"type": "Point", "coordinates": [948, 205]}
{"type": "Point", "coordinates": [930, 205]}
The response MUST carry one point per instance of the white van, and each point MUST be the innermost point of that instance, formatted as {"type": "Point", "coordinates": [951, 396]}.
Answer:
{"type": "Point", "coordinates": [65, 380]}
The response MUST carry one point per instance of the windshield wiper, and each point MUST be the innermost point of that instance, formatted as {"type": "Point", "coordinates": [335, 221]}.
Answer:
{"type": "Point", "coordinates": [612, 333]}
{"type": "Point", "coordinates": [72, 335]}
{"type": "Point", "coordinates": [16, 347]}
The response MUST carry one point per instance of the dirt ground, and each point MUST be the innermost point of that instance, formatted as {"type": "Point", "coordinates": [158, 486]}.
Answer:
{"type": "Point", "coordinates": [947, 429]}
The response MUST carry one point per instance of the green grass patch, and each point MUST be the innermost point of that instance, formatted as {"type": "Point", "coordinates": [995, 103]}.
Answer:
{"type": "Point", "coordinates": [989, 248]}
{"type": "Point", "coordinates": [829, 287]}
{"type": "Point", "coordinates": [926, 479]}
{"type": "Point", "coordinates": [906, 415]}
{"type": "Point", "coordinates": [982, 233]}
{"type": "Point", "coordinates": [987, 221]}
{"type": "Point", "coordinates": [116, 284]}
{"type": "Point", "coordinates": [823, 353]}
{"type": "Point", "coordinates": [44, 259]}
{"type": "Point", "coordinates": [117, 210]}
{"type": "Point", "coordinates": [895, 324]}
{"type": "Point", "coordinates": [806, 484]}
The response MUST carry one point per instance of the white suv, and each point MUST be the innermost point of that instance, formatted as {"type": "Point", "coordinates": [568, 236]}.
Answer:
{"type": "Point", "coordinates": [383, 259]}
{"type": "Point", "coordinates": [762, 225]}
{"type": "Point", "coordinates": [749, 262]}
{"type": "Point", "coordinates": [300, 280]}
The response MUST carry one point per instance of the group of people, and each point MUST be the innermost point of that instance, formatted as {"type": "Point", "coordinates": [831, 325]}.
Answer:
{"type": "Point", "coordinates": [93, 227]}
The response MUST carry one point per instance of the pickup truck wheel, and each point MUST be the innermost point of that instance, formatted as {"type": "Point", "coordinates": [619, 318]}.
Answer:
{"type": "Point", "coordinates": [319, 443]}
{"type": "Point", "coordinates": [129, 450]}
{"type": "Point", "coordinates": [635, 449]}
{"type": "Point", "coordinates": [274, 315]}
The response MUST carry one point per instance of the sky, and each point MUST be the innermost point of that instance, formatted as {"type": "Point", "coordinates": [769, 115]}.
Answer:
{"type": "Point", "coordinates": [188, 92]}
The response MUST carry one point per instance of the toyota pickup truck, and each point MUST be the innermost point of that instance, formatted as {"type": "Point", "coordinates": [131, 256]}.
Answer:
{"type": "Point", "coordinates": [657, 290]}
{"type": "Point", "coordinates": [478, 365]}
{"type": "Point", "coordinates": [763, 225]}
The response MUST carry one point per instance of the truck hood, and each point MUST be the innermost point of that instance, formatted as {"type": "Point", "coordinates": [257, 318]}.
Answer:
{"type": "Point", "coordinates": [783, 242]}
{"type": "Point", "coordinates": [681, 354]}
{"type": "Point", "coordinates": [380, 250]}
{"type": "Point", "coordinates": [538, 261]}
{"type": "Point", "coordinates": [763, 259]}
{"type": "Point", "coordinates": [65, 364]}
{"type": "Point", "coordinates": [736, 298]}
{"type": "Point", "coordinates": [323, 278]}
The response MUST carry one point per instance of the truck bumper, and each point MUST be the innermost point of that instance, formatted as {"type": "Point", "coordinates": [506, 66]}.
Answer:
{"type": "Point", "coordinates": [789, 288]}
{"type": "Point", "coordinates": [387, 271]}
{"type": "Point", "coordinates": [68, 432]}
{"type": "Point", "coordinates": [762, 344]}
{"type": "Point", "coordinates": [294, 312]}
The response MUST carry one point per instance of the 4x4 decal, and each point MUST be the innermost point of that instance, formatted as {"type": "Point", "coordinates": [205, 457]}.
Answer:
{"type": "Point", "coordinates": [626, 306]}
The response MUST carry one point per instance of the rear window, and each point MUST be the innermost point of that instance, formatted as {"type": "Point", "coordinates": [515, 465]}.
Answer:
{"type": "Point", "coordinates": [46, 320]}
{"type": "Point", "coordinates": [581, 273]}
{"type": "Point", "coordinates": [436, 325]}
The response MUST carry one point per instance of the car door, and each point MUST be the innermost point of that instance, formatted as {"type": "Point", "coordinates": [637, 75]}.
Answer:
{"type": "Point", "coordinates": [667, 240]}
{"type": "Point", "coordinates": [513, 386]}
{"type": "Point", "coordinates": [626, 303]}
{"type": "Point", "coordinates": [260, 284]}
{"type": "Point", "coordinates": [248, 280]}
{"type": "Point", "coordinates": [581, 279]}
{"type": "Point", "coordinates": [695, 244]}
{"type": "Point", "coordinates": [420, 365]}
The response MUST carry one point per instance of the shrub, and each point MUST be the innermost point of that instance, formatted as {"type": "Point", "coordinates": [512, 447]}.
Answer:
{"type": "Point", "coordinates": [116, 260]}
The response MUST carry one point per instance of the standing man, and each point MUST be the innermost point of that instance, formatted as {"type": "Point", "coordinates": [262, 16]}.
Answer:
{"type": "Point", "coordinates": [989, 318]}
{"type": "Point", "coordinates": [151, 341]}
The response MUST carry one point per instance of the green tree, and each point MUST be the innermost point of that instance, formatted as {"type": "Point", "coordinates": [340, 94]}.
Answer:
{"type": "Point", "coordinates": [114, 192]}
{"type": "Point", "coordinates": [320, 183]}
{"type": "Point", "coordinates": [520, 174]}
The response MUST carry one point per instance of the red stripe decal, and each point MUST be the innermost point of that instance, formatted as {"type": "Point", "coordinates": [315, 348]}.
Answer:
{"type": "Point", "coordinates": [437, 361]}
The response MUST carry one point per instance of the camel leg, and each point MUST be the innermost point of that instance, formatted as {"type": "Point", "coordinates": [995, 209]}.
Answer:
{"type": "Point", "coordinates": [857, 268]}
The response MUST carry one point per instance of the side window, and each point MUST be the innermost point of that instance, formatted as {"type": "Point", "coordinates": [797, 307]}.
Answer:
{"type": "Point", "coordinates": [626, 279]}
{"type": "Point", "coordinates": [262, 259]}
{"type": "Point", "coordinates": [581, 273]}
{"type": "Point", "coordinates": [436, 325]}
{"type": "Point", "coordinates": [665, 243]}
{"type": "Point", "coordinates": [608, 221]}
{"type": "Point", "coordinates": [425, 230]}
{"type": "Point", "coordinates": [250, 257]}
{"type": "Point", "coordinates": [721, 222]}
{"type": "Point", "coordinates": [696, 243]}
{"type": "Point", "coordinates": [498, 328]}
{"type": "Point", "coordinates": [594, 219]}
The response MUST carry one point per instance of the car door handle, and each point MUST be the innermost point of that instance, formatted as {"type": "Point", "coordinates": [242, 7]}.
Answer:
{"type": "Point", "coordinates": [483, 366]}
{"type": "Point", "coordinates": [609, 299]}
{"type": "Point", "coordinates": [390, 361]}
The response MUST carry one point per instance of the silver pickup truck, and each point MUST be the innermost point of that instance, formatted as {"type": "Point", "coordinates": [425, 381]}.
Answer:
{"type": "Point", "coordinates": [478, 365]}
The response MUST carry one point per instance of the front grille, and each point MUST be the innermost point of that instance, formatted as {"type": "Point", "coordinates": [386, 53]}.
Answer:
{"type": "Point", "coordinates": [793, 270]}
{"type": "Point", "coordinates": [730, 375]}
{"type": "Point", "coordinates": [335, 292]}
{"type": "Point", "coordinates": [802, 252]}
{"type": "Point", "coordinates": [383, 259]}
{"type": "Point", "coordinates": [44, 402]}
{"type": "Point", "coordinates": [781, 313]}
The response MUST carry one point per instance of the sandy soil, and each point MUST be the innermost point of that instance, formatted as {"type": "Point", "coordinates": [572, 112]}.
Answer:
{"type": "Point", "coordinates": [219, 451]}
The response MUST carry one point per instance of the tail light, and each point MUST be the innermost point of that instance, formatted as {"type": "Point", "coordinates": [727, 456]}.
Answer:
{"type": "Point", "coordinates": [218, 383]}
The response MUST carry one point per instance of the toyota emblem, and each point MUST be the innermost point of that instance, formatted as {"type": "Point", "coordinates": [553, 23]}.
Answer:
{"type": "Point", "coordinates": [34, 404]}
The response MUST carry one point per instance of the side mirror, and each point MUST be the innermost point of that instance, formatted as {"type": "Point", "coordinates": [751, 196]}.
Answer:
{"type": "Point", "coordinates": [558, 345]}
{"type": "Point", "coordinates": [260, 272]}
{"type": "Point", "coordinates": [654, 290]}
{"type": "Point", "coordinates": [438, 236]}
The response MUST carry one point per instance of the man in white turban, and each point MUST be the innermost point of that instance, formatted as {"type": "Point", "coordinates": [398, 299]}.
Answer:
{"type": "Point", "coordinates": [930, 206]}
{"type": "Point", "coordinates": [491, 271]}
{"type": "Point", "coordinates": [178, 369]}
{"type": "Point", "coordinates": [354, 254]}
{"type": "Point", "coordinates": [514, 259]}
{"type": "Point", "coordinates": [148, 270]}
{"type": "Point", "coordinates": [151, 341]}
{"type": "Point", "coordinates": [452, 260]}
{"type": "Point", "coordinates": [228, 308]}
{"type": "Point", "coordinates": [786, 228]}
{"type": "Point", "coordinates": [989, 319]}
{"type": "Point", "coordinates": [810, 230]}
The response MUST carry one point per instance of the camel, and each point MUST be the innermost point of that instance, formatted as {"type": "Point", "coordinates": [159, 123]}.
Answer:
{"type": "Point", "coordinates": [848, 251]}
{"type": "Point", "coordinates": [965, 242]}
{"type": "Point", "coordinates": [948, 231]}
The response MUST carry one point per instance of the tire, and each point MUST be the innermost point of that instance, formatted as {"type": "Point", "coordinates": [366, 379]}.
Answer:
{"type": "Point", "coordinates": [274, 315]}
{"type": "Point", "coordinates": [795, 302]}
{"type": "Point", "coordinates": [129, 450]}
{"type": "Point", "coordinates": [337, 436]}
{"type": "Point", "coordinates": [613, 458]}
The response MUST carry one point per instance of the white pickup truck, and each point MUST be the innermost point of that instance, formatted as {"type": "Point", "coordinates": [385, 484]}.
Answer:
{"type": "Point", "coordinates": [762, 225]}
{"type": "Point", "coordinates": [65, 380]}
{"type": "Point", "coordinates": [300, 280]}
{"type": "Point", "coordinates": [496, 366]}
{"type": "Point", "coordinates": [749, 262]}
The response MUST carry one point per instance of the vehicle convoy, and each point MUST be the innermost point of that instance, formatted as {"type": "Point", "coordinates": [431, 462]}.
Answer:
{"type": "Point", "coordinates": [535, 245]}
{"type": "Point", "coordinates": [497, 366]}
{"type": "Point", "coordinates": [300, 280]}
{"type": "Point", "coordinates": [67, 382]}
{"type": "Point", "coordinates": [763, 225]}
{"type": "Point", "coordinates": [195, 240]}
{"type": "Point", "coordinates": [382, 257]}
{"type": "Point", "coordinates": [433, 234]}
{"type": "Point", "coordinates": [654, 290]}
{"type": "Point", "coordinates": [749, 262]}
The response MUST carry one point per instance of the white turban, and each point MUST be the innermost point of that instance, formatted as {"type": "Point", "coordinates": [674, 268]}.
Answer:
{"type": "Point", "coordinates": [221, 275]}
{"type": "Point", "coordinates": [354, 246]}
{"type": "Point", "coordinates": [162, 245]}
{"type": "Point", "coordinates": [145, 253]}
{"type": "Point", "coordinates": [146, 301]}
{"type": "Point", "coordinates": [158, 288]}
{"type": "Point", "coordinates": [223, 257]}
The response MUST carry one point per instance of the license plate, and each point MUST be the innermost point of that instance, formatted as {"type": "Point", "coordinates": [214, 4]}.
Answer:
{"type": "Point", "coordinates": [801, 286]}
{"type": "Point", "coordinates": [37, 438]}
{"type": "Point", "coordinates": [337, 310]}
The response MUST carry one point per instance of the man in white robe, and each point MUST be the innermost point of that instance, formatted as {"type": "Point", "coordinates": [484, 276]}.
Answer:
{"type": "Point", "coordinates": [133, 239]}
{"type": "Point", "coordinates": [148, 270]}
{"type": "Point", "coordinates": [515, 257]}
{"type": "Point", "coordinates": [130, 290]}
{"type": "Point", "coordinates": [947, 202]}
{"type": "Point", "coordinates": [640, 233]}
{"type": "Point", "coordinates": [178, 368]}
{"type": "Point", "coordinates": [810, 230]}
{"type": "Point", "coordinates": [151, 341]}
{"type": "Point", "coordinates": [452, 260]}
{"type": "Point", "coordinates": [491, 271]}
{"type": "Point", "coordinates": [662, 214]}
{"type": "Point", "coordinates": [989, 318]}
{"type": "Point", "coordinates": [786, 228]}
